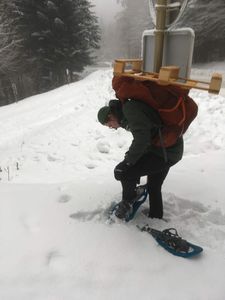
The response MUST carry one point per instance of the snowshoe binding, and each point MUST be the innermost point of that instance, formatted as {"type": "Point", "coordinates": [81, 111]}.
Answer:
{"type": "Point", "coordinates": [172, 242]}
{"type": "Point", "coordinates": [127, 211]}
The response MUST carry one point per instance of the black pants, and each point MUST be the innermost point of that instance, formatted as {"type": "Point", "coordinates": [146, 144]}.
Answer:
{"type": "Point", "coordinates": [156, 170]}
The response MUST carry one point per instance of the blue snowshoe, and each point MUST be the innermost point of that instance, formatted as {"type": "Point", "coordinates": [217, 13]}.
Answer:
{"type": "Point", "coordinates": [172, 242]}
{"type": "Point", "coordinates": [128, 211]}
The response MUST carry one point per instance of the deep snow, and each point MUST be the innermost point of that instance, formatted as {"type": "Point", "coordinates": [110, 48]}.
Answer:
{"type": "Point", "coordinates": [57, 180]}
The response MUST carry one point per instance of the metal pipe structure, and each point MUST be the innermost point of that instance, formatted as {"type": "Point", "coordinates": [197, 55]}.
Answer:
{"type": "Point", "coordinates": [161, 9]}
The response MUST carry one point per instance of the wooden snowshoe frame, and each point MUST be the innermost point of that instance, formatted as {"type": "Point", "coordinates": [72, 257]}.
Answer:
{"type": "Point", "coordinates": [167, 75]}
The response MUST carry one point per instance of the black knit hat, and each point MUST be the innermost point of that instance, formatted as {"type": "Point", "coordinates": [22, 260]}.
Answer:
{"type": "Point", "coordinates": [103, 114]}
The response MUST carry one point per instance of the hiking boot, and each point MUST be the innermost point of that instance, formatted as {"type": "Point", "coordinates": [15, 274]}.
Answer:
{"type": "Point", "coordinates": [123, 210]}
{"type": "Point", "coordinates": [140, 190]}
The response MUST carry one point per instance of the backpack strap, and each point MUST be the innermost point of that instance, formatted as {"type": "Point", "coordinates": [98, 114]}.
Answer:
{"type": "Point", "coordinates": [181, 123]}
{"type": "Point", "coordinates": [163, 145]}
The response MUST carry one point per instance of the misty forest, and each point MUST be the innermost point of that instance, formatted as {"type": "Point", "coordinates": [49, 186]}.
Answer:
{"type": "Point", "coordinates": [48, 43]}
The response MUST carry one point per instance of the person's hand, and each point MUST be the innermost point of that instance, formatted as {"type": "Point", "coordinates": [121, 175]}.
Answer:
{"type": "Point", "coordinates": [121, 169]}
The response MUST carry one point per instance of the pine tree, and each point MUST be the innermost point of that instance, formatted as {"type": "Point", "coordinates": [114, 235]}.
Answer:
{"type": "Point", "coordinates": [206, 17]}
{"type": "Point", "coordinates": [57, 38]}
{"type": "Point", "coordinates": [10, 58]}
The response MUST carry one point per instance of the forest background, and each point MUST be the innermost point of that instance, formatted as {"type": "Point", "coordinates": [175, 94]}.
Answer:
{"type": "Point", "coordinates": [47, 43]}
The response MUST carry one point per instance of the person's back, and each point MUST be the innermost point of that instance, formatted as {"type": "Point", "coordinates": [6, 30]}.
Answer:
{"type": "Point", "coordinates": [144, 122]}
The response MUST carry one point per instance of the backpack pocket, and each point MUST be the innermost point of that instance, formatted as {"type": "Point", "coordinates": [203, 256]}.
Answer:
{"type": "Point", "coordinates": [174, 115]}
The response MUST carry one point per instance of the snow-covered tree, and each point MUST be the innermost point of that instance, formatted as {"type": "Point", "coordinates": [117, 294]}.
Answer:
{"type": "Point", "coordinates": [131, 22]}
{"type": "Point", "coordinates": [56, 37]}
{"type": "Point", "coordinates": [206, 17]}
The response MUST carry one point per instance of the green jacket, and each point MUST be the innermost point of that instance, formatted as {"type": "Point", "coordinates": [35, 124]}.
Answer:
{"type": "Point", "coordinates": [141, 120]}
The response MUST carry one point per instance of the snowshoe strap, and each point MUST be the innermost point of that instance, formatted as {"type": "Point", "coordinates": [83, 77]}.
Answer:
{"type": "Point", "coordinates": [171, 237]}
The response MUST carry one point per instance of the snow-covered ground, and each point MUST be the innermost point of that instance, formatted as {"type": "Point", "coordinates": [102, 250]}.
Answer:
{"type": "Point", "coordinates": [57, 180]}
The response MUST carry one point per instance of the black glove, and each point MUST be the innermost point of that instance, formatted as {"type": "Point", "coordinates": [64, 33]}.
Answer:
{"type": "Point", "coordinates": [121, 169]}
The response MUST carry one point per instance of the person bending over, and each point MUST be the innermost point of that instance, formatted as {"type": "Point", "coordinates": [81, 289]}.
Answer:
{"type": "Point", "coordinates": [143, 158]}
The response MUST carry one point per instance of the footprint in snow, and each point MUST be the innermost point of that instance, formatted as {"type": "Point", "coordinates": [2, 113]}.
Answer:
{"type": "Point", "coordinates": [179, 207]}
{"type": "Point", "coordinates": [216, 217]}
{"type": "Point", "coordinates": [103, 147]}
{"type": "Point", "coordinates": [52, 158]}
{"type": "Point", "coordinates": [31, 224]}
{"type": "Point", "coordinates": [64, 198]}
{"type": "Point", "coordinates": [55, 260]}
{"type": "Point", "coordinates": [90, 165]}
{"type": "Point", "coordinates": [196, 220]}
{"type": "Point", "coordinates": [189, 210]}
{"type": "Point", "coordinates": [88, 215]}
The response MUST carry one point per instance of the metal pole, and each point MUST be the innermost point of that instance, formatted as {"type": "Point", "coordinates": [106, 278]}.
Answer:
{"type": "Point", "coordinates": [173, 11]}
{"type": "Point", "coordinates": [168, 14]}
{"type": "Point", "coordinates": [161, 6]}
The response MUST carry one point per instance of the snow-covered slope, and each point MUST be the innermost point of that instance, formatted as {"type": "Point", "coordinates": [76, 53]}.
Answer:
{"type": "Point", "coordinates": [56, 181]}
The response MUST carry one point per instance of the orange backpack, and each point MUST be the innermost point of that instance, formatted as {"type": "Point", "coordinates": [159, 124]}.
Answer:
{"type": "Point", "coordinates": [175, 108]}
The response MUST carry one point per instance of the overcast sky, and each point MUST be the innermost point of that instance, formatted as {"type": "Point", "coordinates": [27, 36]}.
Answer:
{"type": "Point", "coordinates": [106, 9]}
